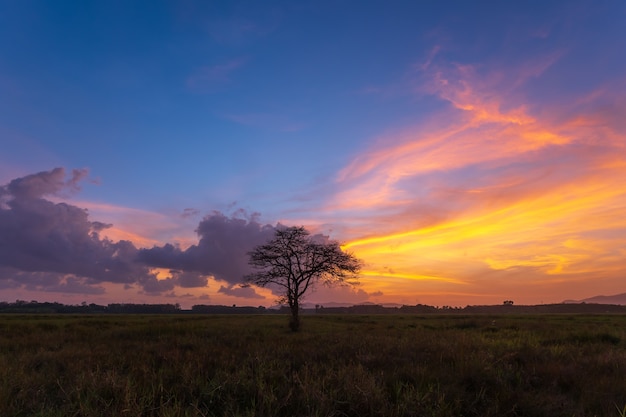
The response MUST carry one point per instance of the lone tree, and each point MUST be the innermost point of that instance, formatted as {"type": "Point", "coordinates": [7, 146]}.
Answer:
{"type": "Point", "coordinates": [294, 261]}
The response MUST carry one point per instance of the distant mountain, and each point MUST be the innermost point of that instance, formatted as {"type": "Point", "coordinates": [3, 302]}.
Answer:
{"type": "Point", "coordinates": [618, 299]}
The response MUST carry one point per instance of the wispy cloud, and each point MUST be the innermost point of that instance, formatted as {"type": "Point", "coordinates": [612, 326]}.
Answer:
{"type": "Point", "coordinates": [143, 228]}
{"type": "Point", "coordinates": [492, 185]}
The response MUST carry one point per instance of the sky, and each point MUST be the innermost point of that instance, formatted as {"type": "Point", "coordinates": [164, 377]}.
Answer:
{"type": "Point", "coordinates": [466, 152]}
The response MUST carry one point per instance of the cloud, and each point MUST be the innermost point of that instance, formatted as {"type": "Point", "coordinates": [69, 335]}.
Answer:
{"type": "Point", "coordinates": [479, 127]}
{"type": "Point", "coordinates": [491, 188]}
{"type": "Point", "coordinates": [243, 292]}
{"type": "Point", "coordinates": [343, 293]}
{"type": "Point", "coordinates": [48, 282]}
{"type": "Point", "coordinates": [224, 243]}
{"type": "Point", "coordinates": [221, 253]}
{"type": "Point", "coordinates": [186, 279]}
{"type": "Point", "coordinates": [142, 227]}
{"type": "Point", "coordinates": [39, 235]}
{"type": "Point", "coordinates": [42, 184]}
{"type": "Point", "coordinates": [47, 245]}
{"type": "Point", "coordinates": [152, 285]}
{"type": "Point", "coordinates": [54, 246]}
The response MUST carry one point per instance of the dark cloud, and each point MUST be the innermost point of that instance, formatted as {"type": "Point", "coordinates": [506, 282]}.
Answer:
{"type": "Point", "coordinates": [48, 282]}
{"type": "Point", "coordinates": [72, 284]}
{"type": "Point", "coordinates": [222, 250]}
{"type": "Point", "coordinates": [243, 292]}
{"type": "Point", "coordinates": [152, 285]}
{"type": "Point", "coordinates": [50, 241]}
{"type": "Point", "coordinates": [51, 246]}
{"type": "Point", "coordinates": [99, 226]}
{"type": "Point", "coordinates": [186, 279]}
{"type": "Point", "coordinates": [8, 278]}
{"type": "Point", "coordinates": [38, 235]}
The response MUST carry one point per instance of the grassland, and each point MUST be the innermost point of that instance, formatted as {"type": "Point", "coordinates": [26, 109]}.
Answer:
{"type": "Point", "coordinates": [179, 365]}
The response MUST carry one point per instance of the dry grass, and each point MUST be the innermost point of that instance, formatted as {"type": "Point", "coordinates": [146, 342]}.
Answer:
{"type": "Point", "coordinates": [336, 366]}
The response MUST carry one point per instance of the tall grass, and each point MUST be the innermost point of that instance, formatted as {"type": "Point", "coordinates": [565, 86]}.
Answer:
{"type": "Point", "coordinates": [336, 366]}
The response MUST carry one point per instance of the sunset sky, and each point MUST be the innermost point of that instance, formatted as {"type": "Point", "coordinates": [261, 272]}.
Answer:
{"type": "Point", "coordinates": [467, 152]}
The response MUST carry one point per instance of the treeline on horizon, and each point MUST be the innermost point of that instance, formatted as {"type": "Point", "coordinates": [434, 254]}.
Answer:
{"type": "Point", "coordinates": [21, 306]}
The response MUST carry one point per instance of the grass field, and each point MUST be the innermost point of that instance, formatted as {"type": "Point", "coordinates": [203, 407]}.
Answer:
{"type": "Point", "coordinates": [192, 365]}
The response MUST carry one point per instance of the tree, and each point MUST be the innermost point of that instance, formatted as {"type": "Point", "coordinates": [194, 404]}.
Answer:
{"type": "Point", "coordinates": [294, 262]}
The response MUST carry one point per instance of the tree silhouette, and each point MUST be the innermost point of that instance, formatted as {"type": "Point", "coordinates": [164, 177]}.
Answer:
{"type": "Point", "coordinates": [294, 261]}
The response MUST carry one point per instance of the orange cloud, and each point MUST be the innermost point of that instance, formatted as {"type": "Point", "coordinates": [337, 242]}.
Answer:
{"type": "Point", "coordinates": [488, 193]}
{"type": "Point", "coordinates": [143, 228]}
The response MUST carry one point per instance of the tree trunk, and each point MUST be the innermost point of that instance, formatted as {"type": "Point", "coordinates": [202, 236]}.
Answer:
{"type": "Point", "coordinates": [294, 322]}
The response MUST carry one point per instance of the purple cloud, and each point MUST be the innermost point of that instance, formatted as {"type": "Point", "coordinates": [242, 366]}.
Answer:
{"type": "Point", "coordinates": [51, 246]}
{"type": "Point", "coordinates": [43, 184]}
{"type": "Point", "coordinates": [188, 279]}
{"type": "Point", "coordinates": [222, 250]}
{"type": "Point", "coordinates": [56, 243]}
{"type": "Point", "coordinates": [152, 285]}
{"type": "Point", "coordinates": [39, 235]}
{"type": "Point", "coordinates": [48, 282]}
{"type": "Point", "coordinates": [243, 292]}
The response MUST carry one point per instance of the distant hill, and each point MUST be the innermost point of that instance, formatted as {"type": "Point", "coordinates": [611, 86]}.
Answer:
{"type": "Point", "coordinates": [618, 299]}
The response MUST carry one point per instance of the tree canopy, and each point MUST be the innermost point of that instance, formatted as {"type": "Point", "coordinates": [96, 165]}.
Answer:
{"type": "Point", "coordinates": [294, 261]}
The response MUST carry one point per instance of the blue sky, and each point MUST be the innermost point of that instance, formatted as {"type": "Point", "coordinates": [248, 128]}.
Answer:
{"type": "Point", "coordinates": [319, 113]}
